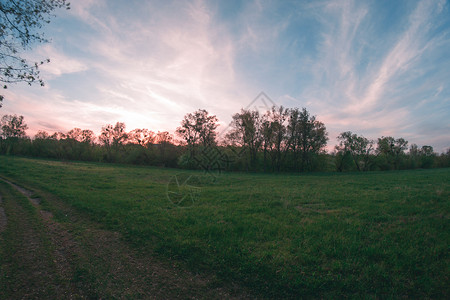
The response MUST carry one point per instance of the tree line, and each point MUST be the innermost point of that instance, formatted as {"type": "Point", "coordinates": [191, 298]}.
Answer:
{"type": "Point", "coordinates": [279, 140]}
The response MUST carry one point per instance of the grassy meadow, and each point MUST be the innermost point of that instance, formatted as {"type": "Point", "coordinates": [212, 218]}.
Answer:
{"type": "Point", "coordinates": [376, 234]}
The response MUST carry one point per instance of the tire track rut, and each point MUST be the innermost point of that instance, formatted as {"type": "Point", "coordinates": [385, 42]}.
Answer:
{"type": "Point", "coordinates": [3, 219]}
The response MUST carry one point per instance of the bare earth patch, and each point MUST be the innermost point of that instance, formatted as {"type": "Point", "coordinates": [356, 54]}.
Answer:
{"type": "Point", "coordinates": [3, 220]}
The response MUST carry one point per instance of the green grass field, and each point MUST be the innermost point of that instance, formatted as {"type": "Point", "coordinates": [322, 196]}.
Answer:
{"type": "Point", "coordinates": [379, 234]}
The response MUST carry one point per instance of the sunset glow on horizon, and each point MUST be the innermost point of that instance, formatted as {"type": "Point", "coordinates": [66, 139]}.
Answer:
{"type": "Point", "coordinates": [376, 68]}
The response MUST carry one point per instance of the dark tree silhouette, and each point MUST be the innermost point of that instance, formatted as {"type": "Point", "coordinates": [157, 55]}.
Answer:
{"type": "Point", "coordinates": [359, 147]}
{"type": "Point", "coordinates": [198, 128]}
{"type": "Point", "coordinates": [113, 136]}
{"type": "Point", "coordinates": [20, 24]}
{"type": "Point", "coordinates": [274, 136]}
{"type": "Point", "coordinates": [246, 133]}
{"type": "Point", "coordinates": [143, 137]}
{"type": "Point", "coordinates": [13, 126]}
{"type": "Point", "coordinates": [392, 149]}
{"type": "Point", "coordinates": [308, 137]}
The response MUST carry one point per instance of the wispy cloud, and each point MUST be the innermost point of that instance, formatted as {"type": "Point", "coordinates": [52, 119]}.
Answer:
{"type": "Point", "coordinates": [362, 75]}
{"type": "Point", "coordinates": [364, 66]}
{"type": "Point", "coordinates": [151, 69]}
{"type": "Point", "coordinates": [403, 56]}
{"type": "Point", "coordinates": [60, 63]}
{"type": "Point", "coordinates": [175, 66]}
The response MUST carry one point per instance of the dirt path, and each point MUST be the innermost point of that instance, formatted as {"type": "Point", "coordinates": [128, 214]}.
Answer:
{"type": "Point", "coordinates": [69, 256]}
{"type": "Point", "coordinates": [3, 220]}
{"type": "Point", "coordinates": [27, 269]}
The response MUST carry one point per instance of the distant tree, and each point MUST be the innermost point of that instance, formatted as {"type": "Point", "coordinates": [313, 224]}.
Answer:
{"type": "Point", "coordinates": [12, 129]}
{"type": "Point", "coordinates": [113, 136]}
{"type": "Point", "coordinates": [274, 135]}
{"type": "Point", "coordinates": [54, 146]}
{"type": "Point", "coordinates": [293, 136]}
{"type": "Point", "coordinates": [198, 129]}
{"type": "Point", "coordinates": [359, 147]}
{"type": "Point", "coordinates": [87, 136]}
{"type": "Point", "coordinates": [427, 156]}
{"type": "Point", "coordinates": [81, 136]}
{"type": "Point", "coordinates": [246, 133]}
{"type": "Point", "coordinates": [423, 157]}
{"type": "Point", "coordinates": [267, 138]}
{"type": "Point", "coordinates": [414, 156]}
{"type": "Point", "coordinates": [443, 160]}
{"type": "Point", "coordinates": [42, 145]}
{"type": "Point", "coordinates": [75, 134]}
{"type": "Point", "coordinates": [143, 137]}
{"type": "Point", "coordinates": [167, 152]}
{"type": "Point", "coordinates": [427, 151]}
{"type": "Point", "coordinates": [307, 137]}
{"type": "Point", "coordinates": [342, 159]}
{"type": "Point", "coordinates": [106, 136]}
{"type": "Point", "coordinates": [41, 135]}
{"type": "Point", "coordinates": [392, 149]}
{"type": "Point", "coordinates": [77, 144]}
{"type": "Point", "coordinates": [198, 133]}
{"type": "Point", "coordinates": [390, 145]}
{"type": "Point", "coordinates": [163, 137]}
{"type": "Point", "coordinates": [58, 135]}
{"type": "Point", "coordinates": [13, 126]}
{"type": "Point", "coordinates": [281, 133]}
{"type": "Point", "coordinates": [20, 23]}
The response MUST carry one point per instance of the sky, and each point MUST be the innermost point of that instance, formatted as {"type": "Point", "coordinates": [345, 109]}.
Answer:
{"type": "Point", "coordinates": [376, 68]}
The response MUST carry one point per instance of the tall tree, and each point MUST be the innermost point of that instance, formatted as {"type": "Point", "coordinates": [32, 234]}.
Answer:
{"type": "Point", "coordinates": [58, 135]}
{"type": "Point", "coordinates": [274, 135]}
{"type": "Point", "coordinates": [392, 149]}
{"type": "Point", "coordinates": [267, 138]}
{"type": "Point", "coordinates": [143, 137]}
{"type": "Point", "coordinates": [113, 136]}
{"type": "Point", "coordinates": [13, 126]}
{"type": "Point", "coordinates": [198, 131]}
{"type": "Point", "coordinates": [87, 136]}
{"type": "Point", "coordinates": [427, 156]}
{"type": "Point", "coordinates": [359, 147]}
{"type": "Point", "coordinates": [163, 137]}
{"type": "Point", "coordinates": [246, 133]}
{"type": "Point", "coordinates": [198, 128]}
{"type": "Point", "coordinates": [75, 134]}
{"type": "Point", "coordinates": [307, 136]}
{"type": "Point", "coordinates": [21, 22]}
{"type": "Point", "coordinates": [164, 144]}
{"type": "Point", "coordinates": [41, 135]}
{"type": "Point", "coordinates": [292, 135]}
{"type": "Point", "coordinates": [43, 146]}
{"type": "Point", "coordinates": [414, 150]}
{"type": "Point", "coordinates": [78, 144]}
